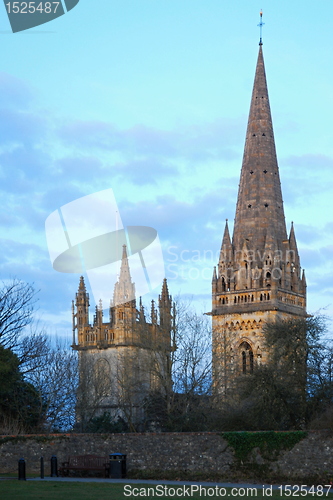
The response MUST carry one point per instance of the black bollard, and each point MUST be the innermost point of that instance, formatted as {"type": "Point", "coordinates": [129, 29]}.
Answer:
{"type": "Point", "coordinates": [54, 466]}
{"type": "Point", "coordinates": [21, 469]}
{"type": "Point", "coordinates": [42, 467]}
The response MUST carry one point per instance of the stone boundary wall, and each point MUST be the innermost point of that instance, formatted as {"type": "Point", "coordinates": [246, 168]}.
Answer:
{"type": "Point", "coordinates": [192, 452]}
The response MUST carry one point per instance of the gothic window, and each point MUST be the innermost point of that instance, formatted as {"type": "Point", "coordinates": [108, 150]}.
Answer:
{"type": "Point", "coordinates": [247, 362]}
{"type": "Point", "coordinates": [223, 284]}
{"type": "Point", "coordinates": [244, 361]}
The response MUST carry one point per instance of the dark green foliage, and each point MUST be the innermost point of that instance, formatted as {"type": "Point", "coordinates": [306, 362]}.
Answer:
{"type": "Point", "coordinates": [9, 372]}
{"type": "Point", "coordinates": [270, 443]}
{"type": "Point", "coordinates": [270, 400]}
{"type": "Point", "coordinates": [105, 423]}
{"type": "Point", "coordinates": [19, 402]}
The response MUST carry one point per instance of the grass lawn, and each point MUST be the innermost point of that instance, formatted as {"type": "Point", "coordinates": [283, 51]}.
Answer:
{"type": "Point", "coordinates": [31, 490]}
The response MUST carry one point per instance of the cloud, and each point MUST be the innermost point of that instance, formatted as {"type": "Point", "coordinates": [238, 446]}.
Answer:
{"type": "Point", "coordinates": [217, 140]}
{"type": "Point", "coordinates": [307, 234]}
{"type": "Point", "coordinates": [14, 92]}
{"type": "Point", "coordinates": [20, 127]}
{"type": "Point", "coordinates": [147, 171]}
{"type": "Point", "coordinates": [307, 164]}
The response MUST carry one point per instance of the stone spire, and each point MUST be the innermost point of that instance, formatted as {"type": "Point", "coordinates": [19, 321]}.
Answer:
{"type": "Point", "coordinates": [261, 280]}
{"type": "Point", "coordinates": [124, 289]}
{"type": "Point", "coordinates": [226, 247]}
{"type": "Point", "coordinates": [293, 246]}
{"type": "Point", "coordinates": [165, 306]}
{"type": "Point", "coordinates": [82, 304]}
{"type": "Point", "coordinates": [259, 204]}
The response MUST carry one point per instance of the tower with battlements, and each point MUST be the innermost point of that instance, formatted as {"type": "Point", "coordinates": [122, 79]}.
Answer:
{"type": "Point", "coordinates": [258, 277]}
{"type": "Point", "coordinates": [125, 359]}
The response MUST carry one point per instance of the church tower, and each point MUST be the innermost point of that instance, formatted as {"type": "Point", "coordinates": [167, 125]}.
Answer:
{"type": "Point", "coordinates": [126, 359]}
{"type": "Point", "coordinates": [258, 277]}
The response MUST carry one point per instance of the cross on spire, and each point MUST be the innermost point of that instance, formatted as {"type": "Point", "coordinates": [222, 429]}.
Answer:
{"type": "Point", "coordinates": [261, 24]}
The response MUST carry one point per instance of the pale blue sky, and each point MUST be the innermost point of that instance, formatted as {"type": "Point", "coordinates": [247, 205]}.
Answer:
{"type": "Point", "coordinates": [151, 98]}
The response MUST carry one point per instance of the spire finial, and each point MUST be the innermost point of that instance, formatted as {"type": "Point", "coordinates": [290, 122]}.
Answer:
{"type": "Point", "coordinates": [261, 24]}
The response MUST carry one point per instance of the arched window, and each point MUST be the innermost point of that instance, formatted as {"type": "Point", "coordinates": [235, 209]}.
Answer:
{"type": "Point", "coordinates": [223, 284]}
{"type": "Point", "coordinates": [247, 360]}
{"type": "Point", "coordinates": [251, 361]}
{"type": "Point", "coordinates": [244, 361]}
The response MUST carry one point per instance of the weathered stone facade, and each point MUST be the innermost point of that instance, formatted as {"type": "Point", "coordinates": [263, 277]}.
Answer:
{"type": "Point", "coordinates": [123, 360]}
{"type": "Point", "coordinates": [258, 277]}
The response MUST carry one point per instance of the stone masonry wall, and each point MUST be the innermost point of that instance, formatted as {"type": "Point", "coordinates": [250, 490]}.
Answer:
{"type": "Point", "coordinates": [166, 451]}
{"type": "Point", "coordinates": [192, 452]}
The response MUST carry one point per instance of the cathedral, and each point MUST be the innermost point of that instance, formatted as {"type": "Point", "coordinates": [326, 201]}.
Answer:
{"type": "Point", "coordinates": [258, 279]}
{"type": "Point", "coordinates": [125, 359]}
{"type": "Point", "coordinates": [259, 276]}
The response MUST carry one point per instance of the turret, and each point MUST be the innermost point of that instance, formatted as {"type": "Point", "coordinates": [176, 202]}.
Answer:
{"type": "Point", "coordinates": [124, 305]}
{"type": "Point", "coordinates": [82, 305]}
{"type": "Point", "coordinates": [124, 289]}
{"type": "Point", "coordinates": [165, 306]}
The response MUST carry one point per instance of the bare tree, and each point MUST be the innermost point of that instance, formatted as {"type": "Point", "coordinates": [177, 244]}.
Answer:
{"type": "Point", "coordinates": [17, 300]}
{"type": "Point", "coordinates": [191, 360]}
{"type": "Point", "coordinates": [55, 378]}
{"type": "Point", "coordinates": [185, 404]}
